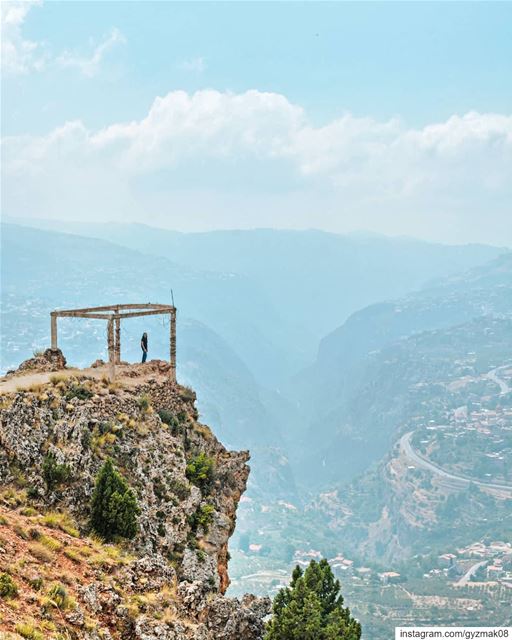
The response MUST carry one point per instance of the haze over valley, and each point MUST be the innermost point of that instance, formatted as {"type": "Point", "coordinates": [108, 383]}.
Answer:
{"type": "Point", "coordinates": [319, 194]}
{"type": "Point", "coordinates": [335, 359]}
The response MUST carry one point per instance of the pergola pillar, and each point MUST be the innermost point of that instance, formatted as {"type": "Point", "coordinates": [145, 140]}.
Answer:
{"type": "Point", "coordinates": [117, 355]}
{"type": "Point", "coordinates": [111, 348]}
{"type": "Point", "coordinates": [53, 316]}
{"type": "Point", "coordinates": [173, 345]}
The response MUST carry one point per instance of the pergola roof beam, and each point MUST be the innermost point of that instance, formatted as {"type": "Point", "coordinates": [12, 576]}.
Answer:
{"type": "Point", "coordinates": [116, 307]}
{"type": "Point", "coordinates": [79, 314]}
{"type": "Point", "coordinates": [137, 314]}
{"type": "Point", "coordinates": [107, 316]}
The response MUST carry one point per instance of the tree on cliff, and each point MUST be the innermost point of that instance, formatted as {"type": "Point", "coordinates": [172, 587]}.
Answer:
{"type": "Point", "coordinates": [114, 507]}
{"type": "Point", "coordinates": [311, 608]}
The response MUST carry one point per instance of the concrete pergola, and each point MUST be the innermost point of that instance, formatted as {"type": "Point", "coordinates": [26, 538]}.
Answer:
{"type": "Point", "coordinates": [113, 314]}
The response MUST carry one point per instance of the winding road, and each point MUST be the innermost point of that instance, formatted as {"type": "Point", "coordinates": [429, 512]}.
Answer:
{"type": "Point", "coordinates": [470, 573]}
{"type": "Point", "coordinates": [407, 449]}
{"type": "Point", "coordinates": [493, 375]}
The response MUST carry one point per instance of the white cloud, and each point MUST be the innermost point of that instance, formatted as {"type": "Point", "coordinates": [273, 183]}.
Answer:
{"type": "Point", "coordinates": [89, 65]}
{"type": "Point", "coordinates": [19, 55]}
{"type": "Point", "coordinates": [196, 65]}
{"type": "Point", "coordinates": [23, 56]}
{"type": "Point", "coordinates": [254, 158]}
{"type": "Point", "coordinates": [206, 124]}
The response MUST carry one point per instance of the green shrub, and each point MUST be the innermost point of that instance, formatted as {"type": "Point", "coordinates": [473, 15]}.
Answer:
{"type": "Point", "coordinates": [105, 427]}
{"type": "Point", "coordinates": [72, 554]}
{"type": "Point", "coordinates": [28, 631]}
{"type": "Point", "coordinates": [8, 588]}
{"type": "Point", "coordinates": [36, 583]}
{"type": "Point", "coordinates": [79, 391]}
{"type": "Point", "coordinates": [41, 553]}
{"type": "Point", "coordinates": [86, 439]}
{"type": "Point", "coordinates": [159, 489]}
{"type": "Point", "coordinates": [202, 518]}
{"type": "Point", "coordinates": [32, 493]}
{"type": "Point", "coordinates": [200, 471]}
{"type": "Point", "coordinates": [180, 489]}
{"type": "Point", "coordinates": [114, 508]}
{"type": "Point", "coordinates": [21, 532]}
{"type": "Point", "coordinates": [62, 521]}
{"type": "Point", "coordinates": [53, 472]}
{"type": "Point", "coordinates": [143, 402]}
{"type": "Point", "coordinates": [168, 417]}
{"type": "Point", "coordinates": [187, 394]}
{"type": "Point", "coordinates": [18, 475]}
{"type": "Point", "coordinates": [52, 544]}
{"type": "Point", "coordinates": [58, 596]}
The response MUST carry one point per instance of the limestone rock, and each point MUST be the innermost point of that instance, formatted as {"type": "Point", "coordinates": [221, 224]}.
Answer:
{"type": "Point", "coordinates": [149, 428]}
{"type": "Point", "coordinates": [49, 360]}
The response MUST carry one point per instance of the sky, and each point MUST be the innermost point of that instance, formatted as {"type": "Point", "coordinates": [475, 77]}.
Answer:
{"type": "Point", "coordinates": [394, 118]}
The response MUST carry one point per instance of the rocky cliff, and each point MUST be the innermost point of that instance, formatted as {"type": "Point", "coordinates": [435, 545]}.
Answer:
{"type": "Point", "coordinates": [57, 430]}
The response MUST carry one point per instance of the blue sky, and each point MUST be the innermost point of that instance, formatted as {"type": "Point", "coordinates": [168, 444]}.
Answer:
{"type": "Point", "coordinates": [395, 117]}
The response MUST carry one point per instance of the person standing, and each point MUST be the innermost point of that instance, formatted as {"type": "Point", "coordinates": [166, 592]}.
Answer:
{"type": "Point", "coordinates": [144, 346]}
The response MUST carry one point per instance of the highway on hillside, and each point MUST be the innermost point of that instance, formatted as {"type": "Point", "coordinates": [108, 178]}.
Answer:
{"type": "Point", "coordinates": [470, 573]}
{"type": "Point", "coordinates": [502, 384]}
{"type": "Point", "coordinates": [420, 461]}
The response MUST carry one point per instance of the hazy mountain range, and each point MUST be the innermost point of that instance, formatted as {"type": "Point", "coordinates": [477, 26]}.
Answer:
{"type": "Point", "coordinates": [352, 392]}
{"type": "Point", "coordinates": [294, 287]}
{"type": "Point", "coordinates": [253, 308]}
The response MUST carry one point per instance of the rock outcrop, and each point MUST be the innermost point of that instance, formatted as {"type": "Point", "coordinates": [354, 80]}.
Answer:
{"type": "Point", "coordinates": [177, 569]}
{"type": "Point", "coordinates": [48, 360]}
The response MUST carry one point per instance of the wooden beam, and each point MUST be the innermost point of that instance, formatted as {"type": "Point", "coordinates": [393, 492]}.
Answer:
{"type": "Point", "coordinates": [106, 316]}
{"type": "Point", "coordinates": [116, 307]}
{"type": "Point", "coordinates": [117, 322]}
{"type": "Point", "coordinates": [173, 344]}
{"type": "Point", "coordinates": [54, 331]}
{"type": "Point", "coordinates": [111, 348]}
{"type": "Point", "coordinates": [139, 314]}
{"type": "Point", "coordinates": [81, 314]}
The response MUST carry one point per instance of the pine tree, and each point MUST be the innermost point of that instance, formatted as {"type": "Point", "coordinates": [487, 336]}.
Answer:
{"type": "Point", "coordinates": [311, 608]}
{"type": "Point", "coordinates": [114, 507]}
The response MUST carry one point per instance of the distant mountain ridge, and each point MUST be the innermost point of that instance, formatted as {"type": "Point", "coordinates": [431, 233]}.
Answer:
{"type": "Point", "coordinates": [341, 388]}
{"type": "Point", "coordinates": [265, 294]}
{"type": "Point", "coordinates": [313, 280]}
{"type": "Point", "coordinates": [43, 270]}
{"type": "Point", "coordinates": [250, 305]}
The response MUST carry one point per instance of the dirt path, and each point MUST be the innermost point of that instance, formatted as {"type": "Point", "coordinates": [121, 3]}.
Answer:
{"type": "Point", "coordinates": [18, 382]}
{"type": "Point", "coordinates": [128, 374]}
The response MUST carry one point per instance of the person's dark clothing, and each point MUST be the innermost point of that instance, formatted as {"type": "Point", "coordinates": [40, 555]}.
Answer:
{"type": "Point", "coordinates": [144, 347]}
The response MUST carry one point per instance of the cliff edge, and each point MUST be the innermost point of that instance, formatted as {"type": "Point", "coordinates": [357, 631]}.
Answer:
{"type": "Point", "coordinates": [57, 431]}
